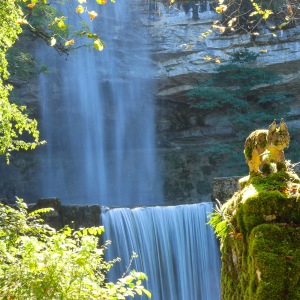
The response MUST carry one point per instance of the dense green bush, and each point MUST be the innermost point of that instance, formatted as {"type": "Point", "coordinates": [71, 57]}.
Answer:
{"type": "Point", "coordinates": [38, 262]}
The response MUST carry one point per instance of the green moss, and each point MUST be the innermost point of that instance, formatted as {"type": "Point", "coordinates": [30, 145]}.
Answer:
{"type": "Point", "coordinates": [261, 247]}
{"type": "Point", "coordinates": [266, 168]}
{"type": "Point", "coordinates": [273, 180]}
{"type": "Point", "coordinates": [274, 248]}
{"type": "Point", "coordinates": [256, 209]}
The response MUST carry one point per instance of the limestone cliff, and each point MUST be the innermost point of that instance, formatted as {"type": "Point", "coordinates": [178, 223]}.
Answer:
{"type": "Point", "coordinates": [178, 52]}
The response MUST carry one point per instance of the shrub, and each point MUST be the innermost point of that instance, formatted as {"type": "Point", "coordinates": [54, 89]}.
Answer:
{"type": "Point", "coordinates": [39, 262]}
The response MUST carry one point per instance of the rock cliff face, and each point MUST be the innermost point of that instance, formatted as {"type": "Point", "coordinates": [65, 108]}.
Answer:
{"type": "Point", "coordinates": [179, 57]}
{"type": "Point", "coordinates": [178, 52]}
{"type": "Point", "coordinates": [180, 48]}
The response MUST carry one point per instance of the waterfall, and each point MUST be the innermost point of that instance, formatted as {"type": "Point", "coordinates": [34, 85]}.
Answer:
{"type": "Point", "coordinates": [99, 122]}
{"type": "Point", "coordinates": [98, 117]}
{"type": "Point", "coordinates": [175, 248]}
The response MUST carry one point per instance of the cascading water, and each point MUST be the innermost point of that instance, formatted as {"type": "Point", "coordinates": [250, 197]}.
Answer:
{"type": "Point", "coordinates": [175, 248]}
{"type": "Point", "coordinates": [98, 118]}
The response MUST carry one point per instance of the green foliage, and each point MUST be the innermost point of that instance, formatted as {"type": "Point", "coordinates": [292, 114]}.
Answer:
{"type": "Point", "coordinates": [38, 262]}
{"type": "Point", "coordinates": [220, 222]}
{"type": "Point", "coordinates": [17, 130]}
{"type": "Point", "coordinates": [14, 122]}
{"type": "Point", "coordinates": [60, 30]}
{"type": "Point", "coordinates": [244, 56]}
{"type": "Point", "coordinates": [234, 90]}
{"type": "Point", "coordinates": [22, 65]}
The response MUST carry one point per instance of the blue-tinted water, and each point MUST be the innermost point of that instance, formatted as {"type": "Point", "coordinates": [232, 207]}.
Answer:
{"type": "Point", "coordinates": [176, 248]}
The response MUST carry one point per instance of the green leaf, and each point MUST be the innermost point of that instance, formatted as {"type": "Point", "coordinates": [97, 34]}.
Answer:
{"type": "Point", "coordinates": [147, 293]}
{"type": "Point", "coordinates": [99, 45]}
{"type": "Point", "coordinates": [100, 230]}
{"type": "Point", "coordinates": [61, 24]}
{"type": "Point", "coordinates": [139, 291]}
{"type": "Point", "coordinates": [101, 1]}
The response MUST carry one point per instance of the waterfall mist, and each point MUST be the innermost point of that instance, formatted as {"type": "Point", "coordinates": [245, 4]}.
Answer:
{"type": "Point", "coordinates": [175, 248]}
{"type": "Point", "coordinates": [98, 117]}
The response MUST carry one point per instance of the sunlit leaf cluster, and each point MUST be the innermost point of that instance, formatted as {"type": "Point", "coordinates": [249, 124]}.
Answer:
{"type": "Point", "coordinates": [39, 262]}
{"type": "Point", "coordinates": [43, 18]}
{"type": "Point", "coordinates": [249, 16]}
{"type": "Point", "coordinates": [54, 21]}
{"type": "Point", "coordinates": [14, 121]}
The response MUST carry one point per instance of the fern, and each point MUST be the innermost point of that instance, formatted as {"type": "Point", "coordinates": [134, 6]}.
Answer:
{"type": "Point", "coordinates": [219, 222]}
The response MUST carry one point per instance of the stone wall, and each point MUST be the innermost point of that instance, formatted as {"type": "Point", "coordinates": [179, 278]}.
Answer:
{"type": "Point", "coordinates": [79, 216]}
{"type": "Point", "coordinates": [76, 216]}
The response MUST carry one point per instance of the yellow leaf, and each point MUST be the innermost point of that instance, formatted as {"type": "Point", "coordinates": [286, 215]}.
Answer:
{"type": "Point", "coordinates": [231, 22]}
{"type": "Point", "coordinates": [79, 9]}
{"type": "Point", "coordinates": [282, 25]}
{"type": "Point", "coordinates": [222, 29]}
{"type": "Point", "coordinates": [253, 13]}
{"type": "Point", "coordinates": [93, 15]}
{"type": "Point", "coordinates": [207, 57]}
{"type": "Point", "coordinates": [31, 5]}
{"type": "Point", "coordinates": [101, 1]}
{"type": "Point", "coordinates": [221, 8]}
{"type": "Point", "coordinates": [217, 61]}
{"type": "Point", "coordinates": [81, 1]}
{"type": "Point", "coordinates": [92, 35]}
{"type": "Point", "coordinates": [53, 41]}
{"type": "Point", "coordinates": [263, 51]}
{"type": "Point", "coordinates": [61, 24]}
{"type": "Point", "coordinates": [21, 21]}
{"type": "Point", "coordinates": [70, 42]}
{"type": "Point", "coordinates": [98, 45]}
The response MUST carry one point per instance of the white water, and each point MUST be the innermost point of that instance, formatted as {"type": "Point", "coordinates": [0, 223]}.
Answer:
{"type": "Point", "coordinates": [176, 249]}
{"type": "Point", "coordinates": [98, 117]}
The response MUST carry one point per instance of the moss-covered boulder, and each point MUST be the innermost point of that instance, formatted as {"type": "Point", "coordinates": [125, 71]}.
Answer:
{"type": "Point", "coordinates": [259, 231]}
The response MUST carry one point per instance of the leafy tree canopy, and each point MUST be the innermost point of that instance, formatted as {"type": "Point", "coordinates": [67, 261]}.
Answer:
{"type": "Point", "coordinates": [17, 130]}
{"type": "Point", "coordinates": [13, 119]}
